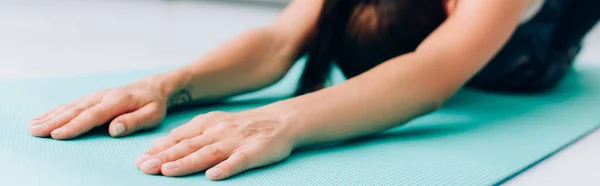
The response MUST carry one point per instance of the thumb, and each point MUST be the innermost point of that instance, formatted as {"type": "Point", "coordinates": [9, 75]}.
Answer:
{"type": "Point", "coordinates": [241, 161]}
{"type": "Point", "coordinates": [148, 116]}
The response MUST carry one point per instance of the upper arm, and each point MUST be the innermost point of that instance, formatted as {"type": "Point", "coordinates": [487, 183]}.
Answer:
{"type": "Point", "coordinates": [296, 24]}
{"type": "Point", "coordinates": [470, 37]}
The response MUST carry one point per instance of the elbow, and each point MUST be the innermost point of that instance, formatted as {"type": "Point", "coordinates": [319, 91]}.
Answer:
{"type": "Point", "coordinates": [437, 101]}
{"type": "Point", "coordinates": [435, 105]}
{"type": "Point", "coordinates": [440, 99]}
{"type": "Point", "coordinates": [430, 106]}
{"type": "Point", "coordinates": [440, 92]}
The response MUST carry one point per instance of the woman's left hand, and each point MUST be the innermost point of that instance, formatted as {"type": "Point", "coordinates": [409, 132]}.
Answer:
{"type": "Point", "coordinates": [223, 144]}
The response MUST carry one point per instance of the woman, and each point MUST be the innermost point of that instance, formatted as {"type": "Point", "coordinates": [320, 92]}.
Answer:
{"type": "Point", "coordinates": [404, 58]}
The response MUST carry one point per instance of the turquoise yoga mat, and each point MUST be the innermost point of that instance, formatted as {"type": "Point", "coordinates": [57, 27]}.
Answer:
{"type": "Point", "coordinates": [476, 139]}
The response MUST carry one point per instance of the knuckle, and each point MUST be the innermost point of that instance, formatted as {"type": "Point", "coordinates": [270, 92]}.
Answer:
{"type": "Point", "coordinates": [247, 134]}
{"type": "Point", "coordinates": [166, 155]}
{"type": "Point", "coordinates": [199, 132]}
{"type": "Point", "coordinates": [155, 114]}
{"type": "Point", "coordinates": [156, 118]}
{"type": "Point", "coordinates": [65, 116]}
{"type": "Point", "coordinates": [54, 111]}
{"type": "Point", "coordinates": [191, 160]}
{"type": "Point", "coordinates": [211, 139]}
{"type": "Point", "coordinates": [242, 158]}
{"type": "Point", "coordinates": [212, 150]}
{"type": "Point", "coordinates": [264, 138]}
{"type": "Point", "coordinates": [225, 127]}
{"type": "Point", "coordinates": [118, 95]}
{"type": "Point", "coordinates": [93, 113]}
{"type": "Point", "coordinates": [124, 99]}
{"type": "Point", "coordinates": [238, 162]}
{"type": "Point", "coordinates": [177, 138]}
{"type": "Point", "coordinates": [77, 109]}
{"type": "Point", "coordinates": [188, 145]}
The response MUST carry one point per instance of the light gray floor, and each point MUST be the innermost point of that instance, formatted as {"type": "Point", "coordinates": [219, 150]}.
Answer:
{"type": "Point", "coordinates": [40, 38]}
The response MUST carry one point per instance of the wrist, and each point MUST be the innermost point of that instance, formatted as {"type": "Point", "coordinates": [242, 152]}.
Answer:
{"type": "Point", "coordinates": [295, 128]}
{"type": "Point", "coordinates": [171, 83]}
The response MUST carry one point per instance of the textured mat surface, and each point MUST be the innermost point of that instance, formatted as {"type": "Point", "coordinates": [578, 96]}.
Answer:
{"type": "Point", "coordinates": [476, 139]}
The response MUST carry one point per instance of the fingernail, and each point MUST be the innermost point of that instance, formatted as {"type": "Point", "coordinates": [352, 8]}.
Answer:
{"type": "Point", "coordinates": [142, 158]}
{"type": "Point", "coordinates": [57, 131]}
{"type": "Point", "coordinates": [34, 122]}
{"type": "Point", "coordinates": [171, 165]}
{"type": "Point", "coordinates": [152, 163]}
{"type": "Point", "coordinates": [118, 129]}
{"type": "Point", "coordinates": [214, 172]}
{"type": "Point", "coordinates": [39, 127]}
{"type": "Point", "coordinates": [40, 121]}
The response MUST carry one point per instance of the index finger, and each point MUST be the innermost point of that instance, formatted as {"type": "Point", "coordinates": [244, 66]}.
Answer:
{"type": "Point", "coordinates": [186, 131]}
{"type": "Point", "coordinates": [90, 118]}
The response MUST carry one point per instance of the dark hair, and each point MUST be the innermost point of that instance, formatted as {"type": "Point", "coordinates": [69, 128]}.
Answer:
{"type": "Point", "coordinates": [398, 26]}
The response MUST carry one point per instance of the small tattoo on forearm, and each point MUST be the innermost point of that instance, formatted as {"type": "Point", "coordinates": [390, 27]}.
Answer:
{"type": "Point", "coordinates": [180, 98]}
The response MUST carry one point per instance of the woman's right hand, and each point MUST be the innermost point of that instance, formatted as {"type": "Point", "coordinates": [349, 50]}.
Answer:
{"type": "Point", "coordinates": [140, 105]}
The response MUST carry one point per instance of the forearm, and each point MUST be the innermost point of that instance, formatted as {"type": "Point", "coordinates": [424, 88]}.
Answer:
{"type": "Point", "coordinates": [251, 61]}
{"type": "Point", "coordinates": [410, 85]}
{"type": "Point", "coordinates": [386, 96]}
